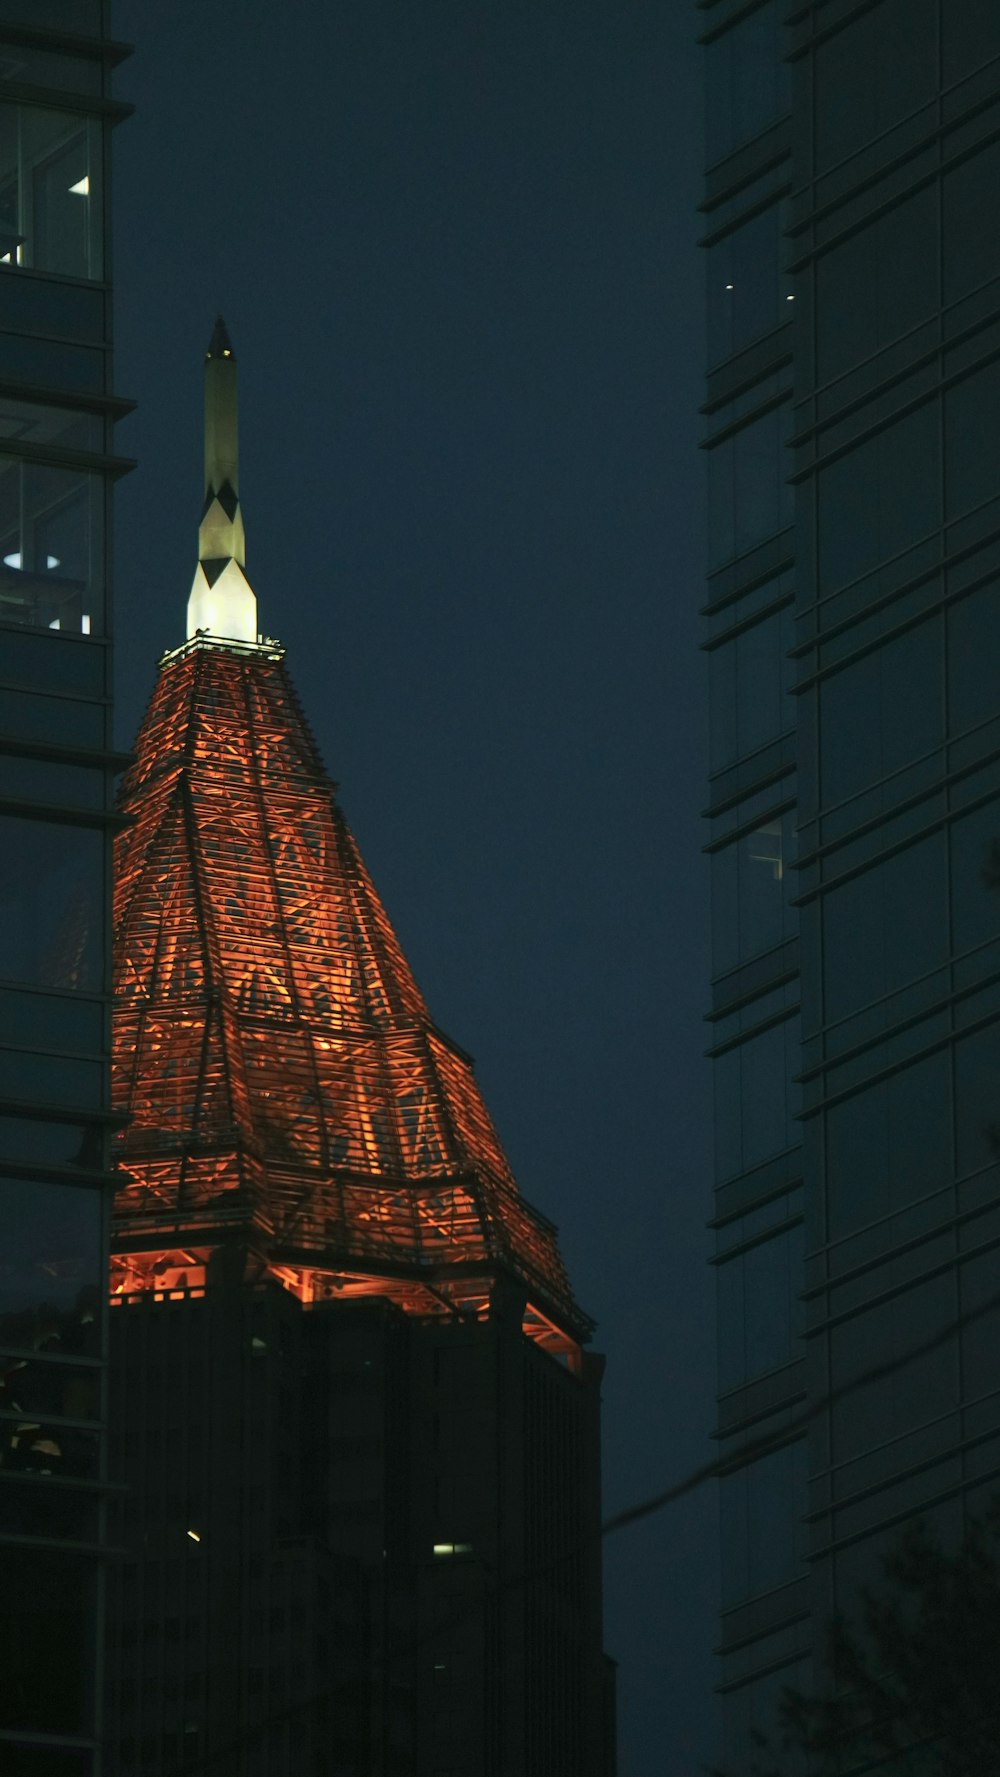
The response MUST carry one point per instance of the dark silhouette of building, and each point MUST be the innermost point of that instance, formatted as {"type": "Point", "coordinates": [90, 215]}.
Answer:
{"type": "Point", "coordinates": [351, 1404]}
{"type": "Point", "coordinates": [854, 636]}
{"type": "Point", "coordinates": [57, 471]}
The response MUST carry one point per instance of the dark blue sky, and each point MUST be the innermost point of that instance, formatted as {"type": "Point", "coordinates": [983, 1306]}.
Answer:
{"type": "Point", "coordinates": [452, 240]}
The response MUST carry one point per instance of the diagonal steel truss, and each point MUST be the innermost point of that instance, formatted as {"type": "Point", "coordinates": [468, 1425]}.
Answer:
{"type": "Point", "coordinates": [287, 1089]}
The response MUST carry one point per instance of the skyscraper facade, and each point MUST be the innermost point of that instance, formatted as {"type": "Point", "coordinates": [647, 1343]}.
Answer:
{"type": "Point", "coordinates": [57, 469]}
{"type": "Point", "coordinates": [853, 168]}
{"type": "Point", "coordinates": [352, 1410]}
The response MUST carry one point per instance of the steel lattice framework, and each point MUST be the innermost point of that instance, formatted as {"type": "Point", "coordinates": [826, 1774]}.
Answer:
{"type": "Point", "coordinates": [289, 1097]}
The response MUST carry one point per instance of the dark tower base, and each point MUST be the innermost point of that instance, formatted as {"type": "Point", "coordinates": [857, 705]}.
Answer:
{"type": "Point", "coordinates": [355, 1542]}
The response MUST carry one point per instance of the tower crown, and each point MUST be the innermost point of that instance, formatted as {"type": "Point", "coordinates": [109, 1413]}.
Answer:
{"type": "Point", "coordinates": [222, 604]}
{"type": "Point", "coordinates": [289, 1096]}
{"type": "Point", "coordinates": [293, 1111]}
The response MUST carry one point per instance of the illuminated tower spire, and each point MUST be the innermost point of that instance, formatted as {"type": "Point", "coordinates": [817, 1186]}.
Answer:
{"type": "Point", "coordinates": [222, 601]}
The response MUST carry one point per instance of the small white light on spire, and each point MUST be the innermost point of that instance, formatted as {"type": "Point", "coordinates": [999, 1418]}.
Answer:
{"type": "Point", "coordinates": [789, 299]}
{"type": "Point", "coordinates": [730, 286]}
{"type": "Point", "coordinates": [82, 186]}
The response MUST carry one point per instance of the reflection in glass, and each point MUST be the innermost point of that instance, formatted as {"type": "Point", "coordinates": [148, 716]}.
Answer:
{"type": "Point", "coordinates": [750, 894]}
{"type": "Point", "coordinates": [49, 192]}
{"type": "Point", "coordinates": [51, 1269]}
{"type": "Point", "coordinates": [747, 292]}
{"type": "Point", "coordinates": [49, 539]}
{"type": "Point", "coordinates": [54, 935]}
{"type": "Point", "coordinates": [35, 422]}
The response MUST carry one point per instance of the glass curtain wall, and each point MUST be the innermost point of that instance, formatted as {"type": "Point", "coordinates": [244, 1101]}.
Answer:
{"type": "Point", "coordinates": [57, 469]}
{"type": "Point", "coordinates": [854, 309]}
{"type": "Point", "coordinates": [755, 1011]}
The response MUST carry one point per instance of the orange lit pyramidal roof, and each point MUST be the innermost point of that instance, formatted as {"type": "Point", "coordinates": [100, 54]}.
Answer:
{"type": "Point", "coordinates": [293, 1110]}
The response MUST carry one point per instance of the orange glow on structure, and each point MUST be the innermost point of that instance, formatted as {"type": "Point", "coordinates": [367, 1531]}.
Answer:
{"type": "Point", "coordinates": [290, 1098]}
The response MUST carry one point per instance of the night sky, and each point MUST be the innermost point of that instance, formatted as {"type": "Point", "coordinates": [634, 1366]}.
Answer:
{"type": "Point", "coordinates": [453, 242]}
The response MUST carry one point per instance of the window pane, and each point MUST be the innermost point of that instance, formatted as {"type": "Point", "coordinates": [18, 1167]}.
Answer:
{"type": "Point", "coordinates": [971, 252]}
{"type": "Point", "coordinates": [37, 423]}
{"type": "Point", "coordinates": [51, 1267]}
{"type": "Point", "coordinates": [746, 290]}
{"type": "Point", "coordinates": [970, 36]}
{"type": "Point", "coordinates": [51, 547]}
{"type": "Point", "coordinates": [907, 1116]}
{"type": "Point", "coordinates": [55, 1144]}
{"type": "Point", "coordinates": [868, 1414]}
{"type": "Point", "coordinates": [880, 497]}
{"type": "Point", "coordinates": [51, 1021]}
{"type": "Point", "coordinates": [41, 661]}
{"type": "Point", "coordinates": [750, 894]}
{"type": "Point", "coordinates": [30, 1508]}
{"type": "Point", "coordinates": [759, 1309]}
{"type": "Point", "coordinates": [887, 60]}
{"type": "Point", "coordinates": [39, 305]}
{"type": "Point", "coordinates": [750, 679]}
{"type": "Point", "coordinates": [59, 719]}
{"type": "Point", "coordinates": [747, 81]}
{"type": "Point", "coordinates": [30, 66]}
{"type": "Point", "coordinates": [763, 1539]}
{"type": "Point", "coordinates": [980, 1285]}
{"type": "Point", "coordinates": [975, 878]}
{"type": "Point", "coordinates": [36, 1387]}
{"type": "Point", "coordinates": [78, 17]}
{"type": "Point", "coordinates": [969, 412]}
{"type": "Point", "coordinates": [47, 1624]}
{"type": "Point", "coordinates": [748, 494]}
{"type": "Point", "coordinates": [65, 1081]}
{"type": "Point", "coordinates": [49, 780]}
{"type": "Point", "coordinates": [48, 364]}
{"type": "Point", "coordinates": [755, 1099]}
{"type": "Point", "coordinates": [973, 659]}
{"type": "Point", "coordinates": [881, 712]}
{"type": "Point", "coordinates": [54, 936]}
{"type": "Point", "coordinates": [977, 1100]}
{"type": "Point", "coordinates": [885, 927]}
{"type": "Point", "coordinates": [50, 171]}
{"type": "Point", "coordinates": [876, 285]}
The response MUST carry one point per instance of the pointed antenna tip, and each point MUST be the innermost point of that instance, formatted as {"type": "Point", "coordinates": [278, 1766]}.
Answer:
{"type": "Point", "coordinates": [220, 345]}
